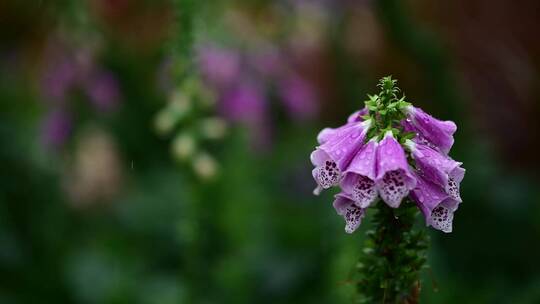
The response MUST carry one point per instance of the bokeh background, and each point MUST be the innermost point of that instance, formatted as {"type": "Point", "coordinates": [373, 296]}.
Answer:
{"type": "Point", "coordinates": [158, 151]}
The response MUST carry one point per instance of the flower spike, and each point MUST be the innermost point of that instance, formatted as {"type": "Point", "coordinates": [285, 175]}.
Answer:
{"type": "Point", "coordinates": [394, 151]}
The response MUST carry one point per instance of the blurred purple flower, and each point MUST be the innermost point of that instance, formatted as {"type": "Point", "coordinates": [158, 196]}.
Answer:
{"type": "Point", "coordinates": [242, 80]}
{"type": "Point", "coordinates": [299, 97]}
{"type": "Point", "coordinates": [59, 77]}
{"type": "Point", "coordinates": [103, 91]}
{"type": "Point", "coordinates": [268, 63]}
{"type": "Point", "coordinates": [246, 103]}
{"type": "Point", "coordinates": [219, 66]}
{"type": "Point", "coordinates": [56, 128]}
{"type": "Point", "coordinates": [67, 69]}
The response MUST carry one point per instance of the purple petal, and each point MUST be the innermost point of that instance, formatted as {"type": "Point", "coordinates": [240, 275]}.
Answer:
{"type": "Point", "coordinates": [352, 214]}
{"type": "Point", "coordinates": [359, 180]}
{"type": "Point", "coordinates": [357, 116]}
{"type": "Point", "coordinates": [394, 179]}
{"type": "Point", "coordinates": [438, 132]}
{"type": "Point", "coordinates": [436, 205]}
{"type": "Point", "coordinates": [327, 133]}
{"type": "Point", "coordinates": [438, 168]}
{"type": "Point", "coordinates": [334, 156]}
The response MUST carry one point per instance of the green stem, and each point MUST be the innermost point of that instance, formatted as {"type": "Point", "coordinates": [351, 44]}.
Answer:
{"type": "Point", "coordinates": [389, 269]}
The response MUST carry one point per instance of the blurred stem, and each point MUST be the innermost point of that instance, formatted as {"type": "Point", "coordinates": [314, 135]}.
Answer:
{"type": "Point", "coordinates": [389, 269]}
{"type": "Point", "coordinates": [185, 13]}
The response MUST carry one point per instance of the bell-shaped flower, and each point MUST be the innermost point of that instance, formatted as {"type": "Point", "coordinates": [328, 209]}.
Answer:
{"type": "Point", "coordinates": [351, 213]}
{"type": "Point", "coordinates": [357, 116]}
{"type": "Point", "coordinates": [394, 179]}
{"type": "Point", "coordinates": [437, 132]}
{"type": "Point", "coordinates": [333, 157]}
{"type": "Point", "coordinates": [359, 179]}
{"type": "Point", "coordinates": [440, 169]}
{"type": "Point", "coordinates": [327, 133]}
{"type": "Point", "coordinates": [436, 205]}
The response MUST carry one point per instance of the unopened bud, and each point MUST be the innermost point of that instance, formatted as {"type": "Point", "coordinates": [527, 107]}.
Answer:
{"type": "Point", "coordinates": [183, 146]}
{"type": "Point", "coordinates": [213, 128]}
{"type": "Point", "coordinates": [205, 166]}
{"type": "Point", "coordinates": [179, 103]}
{"type": "Point", "coordinates": [164, 122]}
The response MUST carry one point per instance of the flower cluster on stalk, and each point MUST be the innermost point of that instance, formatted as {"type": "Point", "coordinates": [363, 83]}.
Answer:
{"type": "Point", "coordinates": [71, 71]}
{"type": "Point", "coordinates": [390, 150]}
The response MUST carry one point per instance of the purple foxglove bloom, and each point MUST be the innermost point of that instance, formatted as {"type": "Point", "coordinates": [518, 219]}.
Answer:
{"type": "Point", "coordinates": [357, 116]}
{"type": "Point", "coordinates": [325, 135]}
{"type": "Point", "coordinates": [327, 132]}
{"type": "Point", "coordinates": [438, 168]}
{"type": "Point", "coordinates": [436, 205]}
{"type": "Point", "coordinates": [334, 156]}
{"type": "Point", "coordinates": [352, 214]}
{"type": "Point", "coordinates": [394, 179]}
{"type": "Point", "coordinates": [359, 180]}
{"type": "Point", "coordinates": [438, 132]}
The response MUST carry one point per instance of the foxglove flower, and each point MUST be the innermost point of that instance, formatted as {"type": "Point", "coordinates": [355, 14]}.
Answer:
{"type": "Point", "coordinates": [438, 168]}
{"type": "Point", "coordinates": [437, 132]}
{"type": "Point", "coordinates": [437, 206]}
{"type": "Point", "coordinates": [394, 179]}
{"type": "Point", "coordinates": [392, 151]}
{"type": "Point", "coordinates": [360, 177]}
{"type": "Point", "coordinates": [351, 213]}
{"type": "Point", "coordinates": [327, 132]}
{"type": "Point", "coordinates": [357, 116]}
{"type": "Point", "coordinates": [332, 158]}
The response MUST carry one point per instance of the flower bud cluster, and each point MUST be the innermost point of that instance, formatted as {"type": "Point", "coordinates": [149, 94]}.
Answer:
{"type": "Point", "coordinates": [187, 119]}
